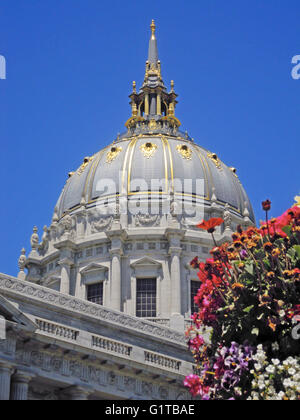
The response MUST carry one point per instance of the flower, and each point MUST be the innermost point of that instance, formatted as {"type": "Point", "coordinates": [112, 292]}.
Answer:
{"type": "Point", "coordinates": [297, 199]}
{"type": "Point", "coordinates": [194, 263]}
{"type": "Point", "coordinates": [268, 246]}
{"type": "Point", "coordinates": [210, 224]}
{"type": "Point", "coordinates": [266, 205]}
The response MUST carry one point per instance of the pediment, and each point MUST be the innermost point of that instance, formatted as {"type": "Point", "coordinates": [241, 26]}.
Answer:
{"type": "Point", "coordinates": [93, 267]}
{"type": "Point", "coordinates": [146, 262]}
{"type": "Point", "coordinates": [10, 312]}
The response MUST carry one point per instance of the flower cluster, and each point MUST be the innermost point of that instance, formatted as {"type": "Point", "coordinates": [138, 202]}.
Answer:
{"type": "Point", "coordinates": [275, 380]}
{"type": "Point", "coordinates": [249, 293]}
{"type": "Point", "coordinates": [223, 375]}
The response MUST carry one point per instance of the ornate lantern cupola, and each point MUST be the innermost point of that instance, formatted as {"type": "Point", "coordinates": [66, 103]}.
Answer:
{"type": "Point", "coordinates": [153, 108]}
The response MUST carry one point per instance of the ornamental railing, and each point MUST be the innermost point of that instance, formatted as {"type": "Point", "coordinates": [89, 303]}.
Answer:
{"type": "Point", "coordinates": [162, 361]}
{"type": "Point", "coordinates": [57, 329]}
{"type": "Point", "coordinates": [111, 345]}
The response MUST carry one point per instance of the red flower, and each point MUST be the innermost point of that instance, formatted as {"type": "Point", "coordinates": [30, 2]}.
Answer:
{"type": "Point", "coordinates": [194, 263]}
{"type": "Point", "coordinates": [266, 205]}
{"type": "Point", "coordinates": [211, 224]}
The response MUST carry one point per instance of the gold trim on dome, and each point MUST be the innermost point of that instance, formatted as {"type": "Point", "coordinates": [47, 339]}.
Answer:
{"type": "Point", "coordinates": [152, 125]}
{"type": "Point", "coordinates": [184, 151]}
{"type": "Point", "coordinates": [149, 149]}
{"type": "Point", "coordinates": [86, 162]}
{"type": "Point", "coordinates": [214, 158]}
{"type": "Point", "coordinates": [113, 153]}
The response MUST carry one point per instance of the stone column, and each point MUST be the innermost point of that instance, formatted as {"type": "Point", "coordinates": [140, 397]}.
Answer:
{"type": "Point", "coordinates": [116, 280]}
{"type": "Point", "coordinates": [175, 280]}
{"type": "Point", "coordinates": [65, 264]}
{"type": "Point", "coordinates": [117, 235]}
{"type": "Point", "coordinates": [158, 104]}
{"type": "Point", "coordinates": [19, 386]}
{"type": "Point", "coordinates": [5, 376]}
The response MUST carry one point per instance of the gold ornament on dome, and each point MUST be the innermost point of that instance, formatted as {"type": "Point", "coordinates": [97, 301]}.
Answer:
{"type": "Point", "coordinates": [86, 162]}
{"type": "Point", "coordinates": [184, 151]}
{"type": "Point", "coordinates": [214, 158]}
{"type": "Point", "coordinates": [152, 125]}
{"type": "Point", "coordinates": [148, 149]}
{"type": "Point", "coordinates": [234, 171]}
{"type": "Point", "coordinates": [113, 153]}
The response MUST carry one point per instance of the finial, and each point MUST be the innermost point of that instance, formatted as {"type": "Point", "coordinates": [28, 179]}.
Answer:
{"type": "Point", "coordinates": [172, 85]}
{"type": "Point", "coordinates": [153, 27]}
{"type": "Point", "coordinates": [134, 86]}
{"type": "Point", "coordinates": [22, 265]}
{"type": "Point", "coordinates": [34, 240]}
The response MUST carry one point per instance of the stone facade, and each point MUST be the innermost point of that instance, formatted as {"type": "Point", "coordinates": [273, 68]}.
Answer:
{"type": "Point", "coordinates": [60, 347]}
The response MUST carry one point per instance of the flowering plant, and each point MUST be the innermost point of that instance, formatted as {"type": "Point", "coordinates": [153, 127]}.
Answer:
{"type": "Point", "coordinates": [249, 296]}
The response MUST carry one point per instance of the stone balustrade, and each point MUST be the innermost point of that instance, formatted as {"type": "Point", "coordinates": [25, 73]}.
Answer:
{"type": "Point", "coordinates": [57, 329]}
{"type": "Point", "coordinates": [110, 345]}
{"type": "Point", "coordinates": [162, 361]}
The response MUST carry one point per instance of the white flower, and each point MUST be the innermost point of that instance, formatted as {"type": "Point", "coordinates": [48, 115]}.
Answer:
{"type": "Point", "coordinates": [270, 369]}
{"type": "Point", "coordinates": [276, 362]}
{"type": "Point", "coordinates": [291, 371]}
{"type": "Point", "coordinates": [287, 383]}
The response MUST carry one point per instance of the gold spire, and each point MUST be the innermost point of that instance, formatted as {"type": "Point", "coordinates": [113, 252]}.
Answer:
{"type": "Point", "coordinates": [153, 27]}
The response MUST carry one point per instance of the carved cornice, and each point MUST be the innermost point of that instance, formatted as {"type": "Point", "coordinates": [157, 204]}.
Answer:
{"type": "Point", "coordinates": [39, 294]}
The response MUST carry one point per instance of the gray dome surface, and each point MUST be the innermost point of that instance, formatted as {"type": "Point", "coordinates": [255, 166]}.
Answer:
{"type": "Point", "coordinates": [167, 161]}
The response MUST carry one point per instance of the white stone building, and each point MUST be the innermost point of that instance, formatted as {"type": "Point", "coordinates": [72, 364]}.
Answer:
{"type": "Point", "coordinates": [100, 305]}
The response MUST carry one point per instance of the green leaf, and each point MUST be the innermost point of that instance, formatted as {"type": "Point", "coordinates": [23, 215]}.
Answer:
{"type": "Point", "coordinates": [287, 230]}
{"type": "Point", "coordinates": [247, 310]}
{"type": "Point", "coordinates": [297, 249]}
{"type": "Point", "coordinates": [250, 269]}
{"type": "Point", "coordinates": [292, 254]}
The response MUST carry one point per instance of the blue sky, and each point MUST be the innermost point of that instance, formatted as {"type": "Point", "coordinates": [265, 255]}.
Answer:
{"type": "Point", "coordinates": [70, 66]}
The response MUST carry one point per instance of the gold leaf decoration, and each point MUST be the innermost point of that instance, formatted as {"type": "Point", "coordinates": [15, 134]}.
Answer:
{"type": "Point", "coordinates": [215, 159]}
{"type": "Point", "coordinates": [86, 161]}
{"type": "Point", "coordinates": [184, 151]}
{"type": "Point", "coordinates": [113, 153]}
{"type": "Point", "coordinates": [149, 149]}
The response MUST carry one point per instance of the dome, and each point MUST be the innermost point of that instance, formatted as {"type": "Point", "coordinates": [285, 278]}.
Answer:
{"type": "Point", "coordinates": [130, 169]}
{"type": "Point", "coordinates": [124, 231]}
{"type": "Point", "coordinates": [153, 158]}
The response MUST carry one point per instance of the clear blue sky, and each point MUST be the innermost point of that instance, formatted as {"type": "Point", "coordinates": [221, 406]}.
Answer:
{"type": "Point", "coordinates": [70, 65]}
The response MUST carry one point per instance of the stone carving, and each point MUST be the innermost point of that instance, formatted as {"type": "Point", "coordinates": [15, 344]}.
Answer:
{"type": "Point", "coordinates": [22, 260]}
{"type": "Point", "coordinates": [67, 223]}
{"type": "Point", "coordinates": [34, 240]}
{"type": "Point", "coordinates": [52, 297]}
{"type": "Point", "coordinates": [147, 220]}
{"type": "Point", "coordinates": [147, 388]}
{"type": "Point", "coordinates": [102, 224]}
{"type": "Point", "coordinates": [163, 393]}
{"type": "Point", "coordinates": [227, 217]}
{"type": "Point", "coordinates": [71, 367]}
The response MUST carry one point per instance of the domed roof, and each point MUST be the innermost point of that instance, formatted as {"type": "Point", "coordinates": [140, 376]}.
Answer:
{"type": "Point", "coordinates": [153, 148]}
{"type": "Point", "coordinates": [127, 163]}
